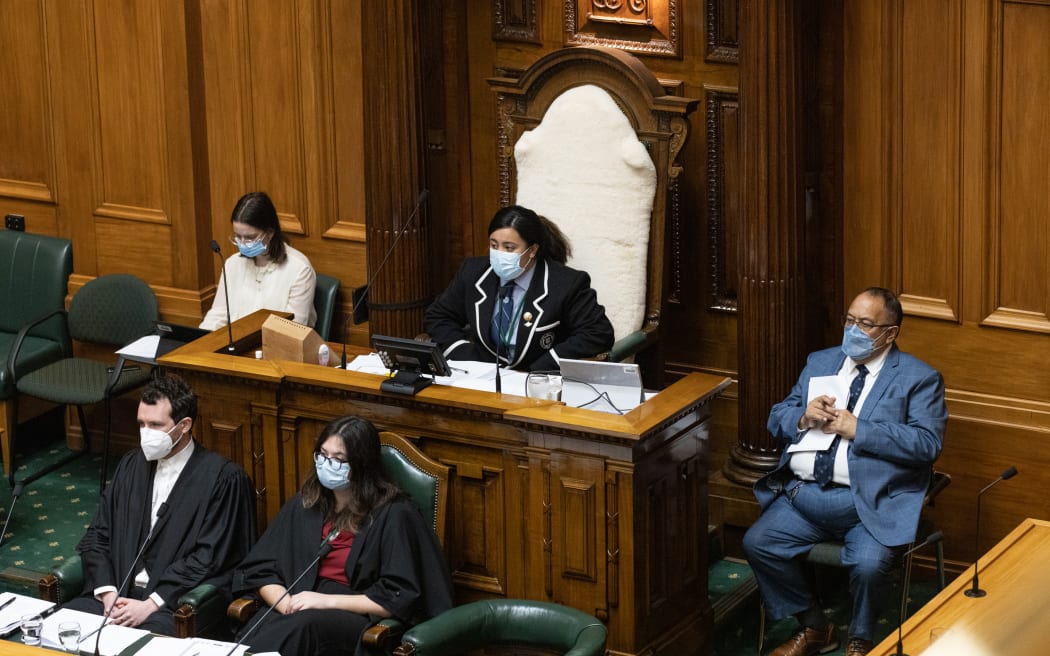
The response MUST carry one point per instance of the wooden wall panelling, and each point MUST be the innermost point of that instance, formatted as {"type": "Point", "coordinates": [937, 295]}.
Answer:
{"type": "Point", "coordinates": [27, 169]}
{"type": "Point", "coordinates": [1018, 294]}
{"type": "Point", "coordinates": [722, 216]}
{"type": "Point", "coordinates": [515, 20]}
{"type": "Point", "coordinates": [721, 30]}
{"type": "Point", "coordinates": [928, 213]}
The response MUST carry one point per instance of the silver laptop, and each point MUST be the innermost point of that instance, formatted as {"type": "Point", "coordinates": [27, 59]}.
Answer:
{"type": "Point", "coordinates": [604, 386]}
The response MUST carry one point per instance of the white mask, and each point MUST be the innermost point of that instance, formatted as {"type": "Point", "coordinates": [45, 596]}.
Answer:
{"type": "Point", "coordinates": [156, 444]}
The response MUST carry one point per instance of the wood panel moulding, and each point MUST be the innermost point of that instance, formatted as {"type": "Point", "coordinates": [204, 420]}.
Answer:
{"type": "Point", "coordinates": [649, 27]}
{"type": "Point", "coordinates": [515, 20]}
{"type": "Point", "coordinates": [721, 31]}
{"type": "Point", "coordinates": [1018, 278]}
{"type": "Point", "coordinates": [723, 179]}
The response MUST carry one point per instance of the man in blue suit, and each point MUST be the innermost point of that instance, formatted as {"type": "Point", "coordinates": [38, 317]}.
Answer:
{"type": "Point", "coordinates": [862, 428]}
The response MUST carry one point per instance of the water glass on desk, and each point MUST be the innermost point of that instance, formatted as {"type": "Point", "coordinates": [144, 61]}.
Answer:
{"type": "Point", "coordinates": [32, 626]}
{"type": "Point", "coordinates": [543, 386]}
{"type": "Point", "coordinates": [69, 636]}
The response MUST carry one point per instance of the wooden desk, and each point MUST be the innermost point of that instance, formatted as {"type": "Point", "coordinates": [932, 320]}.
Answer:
{"type": "Point", "coordinates": [605, 513]}
{"type": "Point", "coordinates": [1010, 619]}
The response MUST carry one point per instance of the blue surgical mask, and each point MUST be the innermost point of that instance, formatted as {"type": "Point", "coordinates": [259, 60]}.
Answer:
{"type": "Point", "coordinates": [506, 265]}
{"type": "Point", "coordinates": [330, 473]}
{"type": "Point", "coordinates": [856, 343]}
{"type": "Point", "coordinates": [256, 247]}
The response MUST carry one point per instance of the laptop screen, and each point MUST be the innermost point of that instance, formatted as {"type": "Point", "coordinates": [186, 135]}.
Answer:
{"type": "Point", "coordinates": [605, 386]}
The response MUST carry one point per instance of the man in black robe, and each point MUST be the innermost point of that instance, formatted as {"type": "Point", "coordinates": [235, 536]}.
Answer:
{"type": "Point", "coordinates": [192, 509]}
{"type": "Point", "coordinates": [395, 561]}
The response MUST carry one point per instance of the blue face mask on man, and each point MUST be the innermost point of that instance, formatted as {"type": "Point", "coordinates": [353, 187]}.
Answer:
{"type": "Point", "coordinates": [857, 344]}
{"type": "Point", "coordinates": [332, 474]}
{"type": "Point", "coordinates": [506, 265]}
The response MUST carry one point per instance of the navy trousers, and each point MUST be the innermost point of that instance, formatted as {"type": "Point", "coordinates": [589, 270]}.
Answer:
{"type": "Point", "coordinates": [785, 532]}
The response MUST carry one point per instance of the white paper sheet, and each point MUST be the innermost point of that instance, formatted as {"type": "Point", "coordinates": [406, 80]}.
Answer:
{"type": "Point", "coordinates": [11, 615]}
{"type": "Point", "coordinates": [814, 439]}
{"type": "Point", "coordinates": [142, 349]}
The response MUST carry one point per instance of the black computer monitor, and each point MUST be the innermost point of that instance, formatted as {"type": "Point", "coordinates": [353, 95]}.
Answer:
{"type": "Point", "coordinates": [412, 361]}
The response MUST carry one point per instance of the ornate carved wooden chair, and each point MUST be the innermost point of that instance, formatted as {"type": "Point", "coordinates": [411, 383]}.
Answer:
{"type": "Point", "coordinates": [589, 138]}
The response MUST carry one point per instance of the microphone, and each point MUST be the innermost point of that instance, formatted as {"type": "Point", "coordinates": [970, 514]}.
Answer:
{"type": "Point", "coordinates": [326, 546]}
{"type": "Point", "coordinates": [131, 570]}
{"type": "Point", "coordinates": [368, 285]}
{"type": "Point", "coordinates": [504, 294]}
{"type": "Point", "coordinates": [226, 288]}
{"type": "Point", "coordinates": [932, 538]}
{"type": "Point", "coordinates": [976, 590]}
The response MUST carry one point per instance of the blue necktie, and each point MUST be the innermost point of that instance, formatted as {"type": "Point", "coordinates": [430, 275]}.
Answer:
{"type": "Point", "coordinates": [501, 319]}
{"type": "Point", "coordinates": [824, 464]}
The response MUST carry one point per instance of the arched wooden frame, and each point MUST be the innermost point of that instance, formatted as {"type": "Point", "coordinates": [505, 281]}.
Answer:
{"type": "Point", "coordinates": [659, 120]}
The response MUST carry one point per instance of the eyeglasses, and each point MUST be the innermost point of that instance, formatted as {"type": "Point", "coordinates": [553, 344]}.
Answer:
{"type": "Point", "coordinates": [865, 324]}
{"type": "Point", "coordinates": [237, 240]}
{"type": "Point", "coordinates": [322, 459]}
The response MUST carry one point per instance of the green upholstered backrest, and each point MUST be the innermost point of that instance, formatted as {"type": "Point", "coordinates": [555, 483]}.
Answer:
{"type": "Point", "coordinates": [34, 274]}
{"type": "Point", "coordinates": [424, 480]}
{"type": "Point", "coordinates": [325, 295]}
{"type": "Point", "coordinates": [490, 622]}
{"type": "Point", "coordinates": [115, 309]}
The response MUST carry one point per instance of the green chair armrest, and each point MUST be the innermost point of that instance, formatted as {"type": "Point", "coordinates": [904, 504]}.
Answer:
{"type": "Point", "coordinates": [629, 345]}
{"type": "Point", "coordinates": [384, 634]}
{"type": "Point", "coordinates": [65, 581]}
{"type": "Point", "coordinates": [202, 612]}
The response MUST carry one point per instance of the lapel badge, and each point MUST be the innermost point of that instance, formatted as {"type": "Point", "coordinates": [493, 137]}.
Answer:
{"type": "Point", "coordinates": [528, 319]}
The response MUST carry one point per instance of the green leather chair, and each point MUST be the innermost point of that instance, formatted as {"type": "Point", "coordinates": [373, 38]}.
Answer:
{"type": "Point", "coordinates": [425, 481]}
{"type": "Point", "coordinates": [512, 622]}
{"type": "Point", "coordinates": [112, 310]}
{"type": "Point", "coordinates": [34, 274]}
{"type": "Point", "coordinates": [325, 294]}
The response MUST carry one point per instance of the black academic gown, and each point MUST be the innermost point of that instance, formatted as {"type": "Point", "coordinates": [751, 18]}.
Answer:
{"type": "Point", "coordinates": [395, 560]}
{"type": "Point", "coordinates": [208, 527]}
{"type": "Point", "coordinates": [560, 315]}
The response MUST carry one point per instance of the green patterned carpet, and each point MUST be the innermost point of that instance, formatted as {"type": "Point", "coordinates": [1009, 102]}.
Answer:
{"type": "Point", "coordinates": [52, 513]}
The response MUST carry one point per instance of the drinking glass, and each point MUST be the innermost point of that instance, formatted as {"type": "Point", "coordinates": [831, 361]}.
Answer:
{"type": "Point", "coordinates": [32, 625]}
{"type": "Point", "coordinates": [69, 636]}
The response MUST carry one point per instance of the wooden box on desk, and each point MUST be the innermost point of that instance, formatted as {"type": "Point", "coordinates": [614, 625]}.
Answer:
{"type": "Point", "coordinates": [283, 339]}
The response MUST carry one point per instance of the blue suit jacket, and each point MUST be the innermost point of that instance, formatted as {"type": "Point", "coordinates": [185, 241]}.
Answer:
{"type": "Point", "coordinates": [900, 431]}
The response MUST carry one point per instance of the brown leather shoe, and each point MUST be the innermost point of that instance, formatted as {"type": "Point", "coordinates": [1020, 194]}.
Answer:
{"type": "Point", "coordinates": [859, 647]}
{"type": "Point", "coordinates": [808, 642]}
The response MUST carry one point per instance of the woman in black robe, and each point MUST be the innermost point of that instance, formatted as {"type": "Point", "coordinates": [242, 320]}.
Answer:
{"type": "Point", "coordinates": [385, 560]}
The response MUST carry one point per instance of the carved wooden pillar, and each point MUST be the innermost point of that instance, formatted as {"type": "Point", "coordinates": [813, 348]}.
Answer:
{"type": "Point", "coordinates": [393, 167]}
{"type": "Point", "coordinates": [769, 322]}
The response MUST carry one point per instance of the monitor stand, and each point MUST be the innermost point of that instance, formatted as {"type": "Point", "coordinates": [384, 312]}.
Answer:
{"type": "Point", "coordinates": [405, 382]}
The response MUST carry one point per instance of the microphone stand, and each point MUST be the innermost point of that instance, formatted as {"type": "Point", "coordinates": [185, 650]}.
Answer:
{"type": "Point", "coordinates": [975, 591]}
{"type": "Point", "coordinates": [933, 538]}
{"type": "Point", "coordinates": [326, 546]}
{"type": "Point", "coordinates": [131, 570]}
{"type": "Point", "coordinates": [368, 285]}
{"type": "Point", "coordinates": [226, 289]}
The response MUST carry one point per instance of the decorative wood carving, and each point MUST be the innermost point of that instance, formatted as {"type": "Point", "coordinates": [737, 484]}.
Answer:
{"type": "Point", "coordinates": [649, 27]}
{"type": "Point", "coordinates": [515, 20]}
{"type": "Point", "coordinates": [721, 126]}
{"type": "Point", "coordinates": [721, 31]}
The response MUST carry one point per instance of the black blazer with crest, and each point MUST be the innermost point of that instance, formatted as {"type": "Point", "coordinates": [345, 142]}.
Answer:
{"type": "Point", "coordinates": [560, 317]}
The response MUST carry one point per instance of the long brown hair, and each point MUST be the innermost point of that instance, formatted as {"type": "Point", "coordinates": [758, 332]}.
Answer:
{"type": "Point", "coordinates": [370, 488]}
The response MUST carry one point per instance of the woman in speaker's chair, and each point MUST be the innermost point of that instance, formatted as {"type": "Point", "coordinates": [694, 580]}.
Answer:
{"type": "Point", "coordinates": [266, 272]}
{"type": "Point", "coordinates": [522, 302]}
{"type": "Point", "coordinates": [366, 551]}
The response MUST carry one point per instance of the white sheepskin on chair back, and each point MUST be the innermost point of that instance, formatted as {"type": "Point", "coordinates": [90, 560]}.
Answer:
{"type": "Point", "coordinates": [584, 168]}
